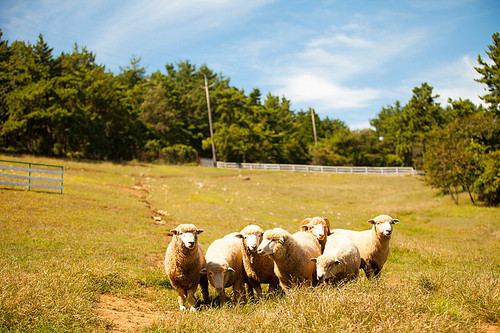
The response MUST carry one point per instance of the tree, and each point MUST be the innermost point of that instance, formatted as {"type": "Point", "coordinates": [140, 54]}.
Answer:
{"type": "Point", "coordinates": [387, 127]}
{"type": "Point", "coordinates": [406, 128]}
{"type": "Point", "coordinates": [491, 74]}
{"type": "Point", "coordinates": [488, 183]}
{"type": "Point", "coordinates": [334, 148]}
{"type": "Point", "coordinates": [457, 153]}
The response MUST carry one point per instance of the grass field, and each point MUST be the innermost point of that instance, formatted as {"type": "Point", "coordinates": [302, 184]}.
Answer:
{"type": "Point", "coordinates": [92, 258]}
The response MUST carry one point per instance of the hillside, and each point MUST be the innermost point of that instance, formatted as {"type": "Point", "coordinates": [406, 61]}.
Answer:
{"type": "Point", "coordinates": [91, 259]}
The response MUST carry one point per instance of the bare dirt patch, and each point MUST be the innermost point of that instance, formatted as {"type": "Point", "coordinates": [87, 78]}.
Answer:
{"type": "Point", "coordinates": [131, 315]}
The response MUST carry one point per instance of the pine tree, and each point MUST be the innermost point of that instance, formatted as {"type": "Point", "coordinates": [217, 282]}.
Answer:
{"type": "Point", "coordinates": [491, 74]}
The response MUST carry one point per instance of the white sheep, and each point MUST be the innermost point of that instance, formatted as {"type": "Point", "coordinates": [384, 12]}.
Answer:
{"type": "Point", "coordinates": [224, 266]}
{"type": "Point", "coordinates": [183, 261]}
{"type": "Point", "coordinates": [340, 260]}
{"type": "Point", "coordinates": [292, 256]}
{"type": "Point", "coordinates": [319, 227]}
{"type": "Point", "coordinates": [258, 268]}
{"type": "Point", "coordinates": [373, 244]}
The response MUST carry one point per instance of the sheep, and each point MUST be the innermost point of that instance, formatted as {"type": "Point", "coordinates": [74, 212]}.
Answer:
{"type": "Point", "coordinates": [224, 266]}
{"type": "Point", "coordinates": [258, 268]}
{"type": "Point", "coordinates": [373, 244]}
{"type": "Point", "coordinates": [183, 261]}
{"type": "Point", "coordinates": [319, 227]}
{"type": "Point", "coordinates": [291, 255]}
{"type": "Point", "coordinates": [340, 260]}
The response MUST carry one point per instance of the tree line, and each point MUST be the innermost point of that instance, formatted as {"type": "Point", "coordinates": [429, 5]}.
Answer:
{"type": "Point", "coordinates": [70, 106]}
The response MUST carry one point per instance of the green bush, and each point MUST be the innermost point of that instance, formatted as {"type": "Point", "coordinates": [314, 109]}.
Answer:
{"type": "Point", "coordinates": [488, 183]}
{"type": "Point", "coordinates": [179, 154]}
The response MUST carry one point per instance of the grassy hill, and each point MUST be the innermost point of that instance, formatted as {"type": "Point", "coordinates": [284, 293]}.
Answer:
{"type": "Point", "coordinates": [91, 259]}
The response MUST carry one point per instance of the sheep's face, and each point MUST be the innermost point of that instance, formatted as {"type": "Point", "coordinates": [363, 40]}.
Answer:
{"type": "Point", "coordinates": [188, 237]}
{"type": "Point", "coordinates": [268, 246]}
{"type": "Point", "coordinates": [252, 241]}
{"type": "Point", "coordinates": [383, 225]}
{"type": "Point", "coordinates": [326, 267]}
{"type": "Point", "coordinates": [218, 275]}
{"type": "Point", "coordinates": [319, 231]}
{"type": "Point", "coordinates": [318, 226]}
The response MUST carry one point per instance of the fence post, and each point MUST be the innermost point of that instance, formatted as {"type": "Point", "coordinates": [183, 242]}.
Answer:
{"type": "Point", "coordinates": [29, 175]}
{"type": "Point", "coordinates": [62, 173]}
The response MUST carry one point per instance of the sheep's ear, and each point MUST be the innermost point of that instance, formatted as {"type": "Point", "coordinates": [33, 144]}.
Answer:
{"type": "Point", "coordinates": [174, 232]}
{"type": "Point", "coordinates": [203, 271]}
{"type": "Point", "coordinates": [395, 221]}
{"type": "Point", "coordinates": [238, 235]}
{"type": "Point", "coordinates": [372, 221]}
{"type": "Point", "coordinates": [331, 233]}
{"type": "Point", "coordinates": [314, 260]}
{"type": "Point", "coordinates": [199, 231]}
{"type": "Point", "coordinates": [304, 227]}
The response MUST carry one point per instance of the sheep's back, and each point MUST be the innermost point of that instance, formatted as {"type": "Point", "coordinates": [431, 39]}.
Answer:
{"type": "Point", "coordinates": [362, 240]}
{"type": "Point", "coordinates": [308, 243]}
{"type": "Point", "coordinates": [342, 248]}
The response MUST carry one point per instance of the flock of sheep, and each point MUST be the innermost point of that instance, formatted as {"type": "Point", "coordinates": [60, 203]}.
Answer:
{"type": "Point", "coordinates": [313, 255]}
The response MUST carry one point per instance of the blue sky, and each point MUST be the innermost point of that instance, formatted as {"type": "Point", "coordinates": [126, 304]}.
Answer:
{"type": "Point", "coordinates": [345, 59]}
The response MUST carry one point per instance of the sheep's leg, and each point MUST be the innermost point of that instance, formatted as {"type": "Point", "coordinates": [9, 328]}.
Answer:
{"type": "Point", "coordinates": [258, 290]}
{"type": "Point", "coordinates": [367, 268]}
{"type": "Point", "coordinates": [222, 297]}
{"type": "Point", "coordinates": [273, 285]}
{"type": "Point", "coordinates": [376, 272]}
{"type": "Point", "coordinates": [181, 299]}
{"type": "Point", "coordinates": [190, 298]}
{"type": "Point", "coordinates": [238, 291]}
{"type": "Point", "coordinates": [285, 286]}
{"type": "Point", "coordinates": [204, 288]}
{"type": "Point", "coordinates": [249, 289]}
{"type": "Point", "coordinates": [254, 285]}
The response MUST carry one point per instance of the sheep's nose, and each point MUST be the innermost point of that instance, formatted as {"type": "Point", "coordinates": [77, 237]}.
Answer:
{"type": "Point", "coordinates": [260, 251]}
{"type": "Point", "coordinates": [253, 248]}
{"type": "Point", "coordinates": [190, 245]}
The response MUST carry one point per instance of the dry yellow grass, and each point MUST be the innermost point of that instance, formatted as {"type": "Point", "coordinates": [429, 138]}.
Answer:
{"type": "Point", "coordinates": [63, 256]}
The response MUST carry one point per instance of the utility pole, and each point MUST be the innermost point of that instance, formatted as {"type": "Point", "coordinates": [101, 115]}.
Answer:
{"type": "Point", "coordinates": [314, 127]}
{"type": "Point", "coordinates": [210, 123]}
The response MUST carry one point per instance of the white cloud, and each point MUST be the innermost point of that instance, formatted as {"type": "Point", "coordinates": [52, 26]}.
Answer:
{"type": "Point", "coordinates": [329, 72]}
{"type": "Point", "coordinates": [326, 94]}
{"type": "Point", "coordinates": [163, 22]}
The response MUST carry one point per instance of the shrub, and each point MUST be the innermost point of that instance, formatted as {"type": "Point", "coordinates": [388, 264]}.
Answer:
{"type": "Point", "coordinates": [488, 183]}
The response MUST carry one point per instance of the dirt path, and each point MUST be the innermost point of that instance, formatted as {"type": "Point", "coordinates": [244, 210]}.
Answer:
{"type": "Point", "coordinates": [131, 315]}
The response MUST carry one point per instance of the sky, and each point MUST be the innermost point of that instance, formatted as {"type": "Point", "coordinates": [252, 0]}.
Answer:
{"type": "Point", "coordinates": [346, 59]}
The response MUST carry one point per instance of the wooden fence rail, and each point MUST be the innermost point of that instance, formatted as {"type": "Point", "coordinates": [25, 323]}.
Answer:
{"type": "Point", "coordinates": [32, 174]}
{"type": "Point", "coordinates": [389, 171]}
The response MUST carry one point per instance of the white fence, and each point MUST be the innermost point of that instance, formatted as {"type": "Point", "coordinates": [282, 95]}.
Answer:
{"type": "Point", "coordinates": [31, 175]}
{"type": "Point", "coordinates": [389, 171]}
